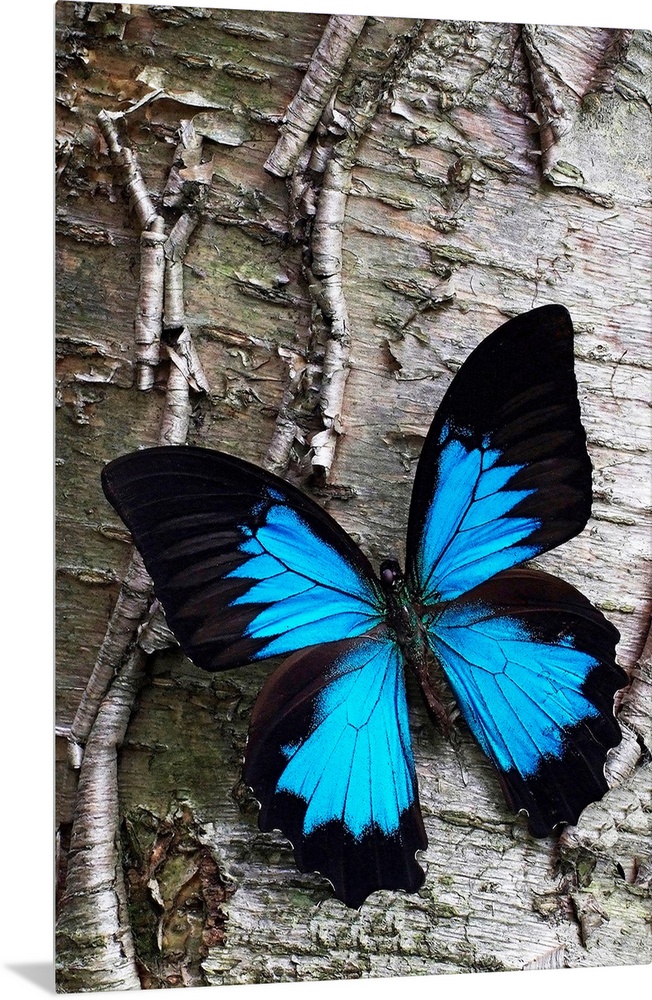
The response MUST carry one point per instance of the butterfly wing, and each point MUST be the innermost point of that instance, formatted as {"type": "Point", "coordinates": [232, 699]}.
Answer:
{"type": "Point", "coordinates": [504, 473]}
{"type": "Point", "coordinates": [531, 663]}
{"type": "Point", "coordinates": [245, 565]}
{"type": "Point", "coordinates": [330, 759]}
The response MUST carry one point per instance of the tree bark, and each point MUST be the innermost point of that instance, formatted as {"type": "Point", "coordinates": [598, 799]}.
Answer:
{"type": "Point", "coordinates": [309, 223]}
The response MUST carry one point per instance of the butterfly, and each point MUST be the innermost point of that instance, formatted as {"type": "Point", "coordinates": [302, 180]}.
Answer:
{"type": "Point", "coordinates": [246, 566]}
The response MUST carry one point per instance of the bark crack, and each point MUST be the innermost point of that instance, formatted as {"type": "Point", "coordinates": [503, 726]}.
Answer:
{"type": "Point", "coordinates": [604, 78]}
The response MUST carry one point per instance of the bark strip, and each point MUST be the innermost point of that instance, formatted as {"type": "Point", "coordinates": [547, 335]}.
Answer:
{"type": "Point", "coordinates": [183, 354]}
{"type": "Point", "coordinates": [329, 293]}
{"type": "Point", "coordinates": [149, 309]}
{"type": "Point", "coordinates": [131, 605]}
{"type": "Point", "coordinates": [94, 921]}
{"type": "Point", "coordinates": [95, 947]}
{"type": "Point", "coordinates": [317, 86]}
{"type": "Point", "coordinates": [554, 120]}
{"type": "Point", "coordinates": [175, 250]}
{"type": "Point", "coordinates": [186, 370]}
{"type": "Point", "coordinates": [286, 430]}
{"type": "Point", "coordinates": [125, 161]}
{"type": "Point", "coordinates": [347, 125]}
{"type": "Point", "coordinates": [318, 146]}
{"type": "Point", "coordinates": [176, 418]}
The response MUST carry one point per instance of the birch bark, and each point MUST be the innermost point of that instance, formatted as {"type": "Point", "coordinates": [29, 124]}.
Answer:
{"type": "Point", "coordinates": [457, 173]}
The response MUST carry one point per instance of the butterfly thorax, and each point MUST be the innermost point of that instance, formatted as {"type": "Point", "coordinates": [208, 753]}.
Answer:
{"type": "Point", "coordinates": [401, 613]}
{"type": "Point", "coordinates": [404, 619]}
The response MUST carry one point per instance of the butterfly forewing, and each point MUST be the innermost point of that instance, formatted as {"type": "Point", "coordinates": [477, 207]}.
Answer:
{"type": "Point", "coordinates": [244, 564]}
{"type": "Point", "coordinates": [504, 473]}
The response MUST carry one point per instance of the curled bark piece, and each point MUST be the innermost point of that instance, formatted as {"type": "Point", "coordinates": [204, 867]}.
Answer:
{"type": "Point", "coordinates": [95, 947]}
{"type": "Point", "coordinates": [334, 381]}
{"type": "Point", "coordinates": [175, 249]}
{"type": "Point", "coordinates": [174, 309]}
{"type": "Point", "coordinates": [553, 117]}
{"type": "Point", "coordinates": [329, 292]}
{"type": "Point", "coordinates": [176, 418]}
{"type": "Point", "coordinates": [329, 220]}
{"type": "Point", "coordinates": [177, 242]}
{"type": "Point", "coordinates": [185, 359]}
{"type": "Point", "coordinates": [319, 82]}
{"type": "Point", "coordinates": [277, 458]}
{"type": "Point", "coordinates": [123, 158]}
{"type": "Point", "coordinates": [155, 633]}
{"type": "Point", "coordinates": [149, 310]}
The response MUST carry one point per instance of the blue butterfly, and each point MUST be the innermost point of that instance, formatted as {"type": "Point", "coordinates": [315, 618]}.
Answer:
{"type": "Point", "coordinates": [248, 567]}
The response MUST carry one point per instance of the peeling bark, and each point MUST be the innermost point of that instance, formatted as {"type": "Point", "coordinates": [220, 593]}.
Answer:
{"type": "Point", "coordinates": [95, 947]}
{"type": "Point", "coordinates": [317, 86]}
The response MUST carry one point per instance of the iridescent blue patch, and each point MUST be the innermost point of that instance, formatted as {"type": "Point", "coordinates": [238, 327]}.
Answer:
{"type": "Point", "coordinates": [467, 535]}
{"type": "Point", "coordinates": [356, 763]}
{"type": "Point", "coordinates": [309, 592]}
{"type": "Point", "coordinates": [518, 695]}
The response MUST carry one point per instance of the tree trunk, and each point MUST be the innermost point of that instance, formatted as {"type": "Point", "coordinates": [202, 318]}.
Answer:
{"type": "Point", "coordinates": [310, 247]}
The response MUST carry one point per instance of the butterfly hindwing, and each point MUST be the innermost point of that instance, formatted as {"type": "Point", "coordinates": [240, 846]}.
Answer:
{"type": "Point", "coordinates": [532, 666]}
{"type": "Point", "coordinates": [245, 565]}
{"type": "Point", "coordinates": [329, 757]}
{"type": "Point", "coordinates": [504, 473]}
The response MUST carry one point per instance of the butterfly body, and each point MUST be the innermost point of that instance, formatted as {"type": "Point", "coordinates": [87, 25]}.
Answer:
{"type": "Point", "coordinates": [248, 567]}
{"type": "Point", "coordinates": [407, 623]}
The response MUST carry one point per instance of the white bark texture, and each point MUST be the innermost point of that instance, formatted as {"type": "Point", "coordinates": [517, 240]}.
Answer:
{"type": "Point", "coordinates": [432, 180]}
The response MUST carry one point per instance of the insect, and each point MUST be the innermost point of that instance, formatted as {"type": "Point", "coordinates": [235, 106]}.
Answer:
{"type": "Point", "coordinates": [246, 567]}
